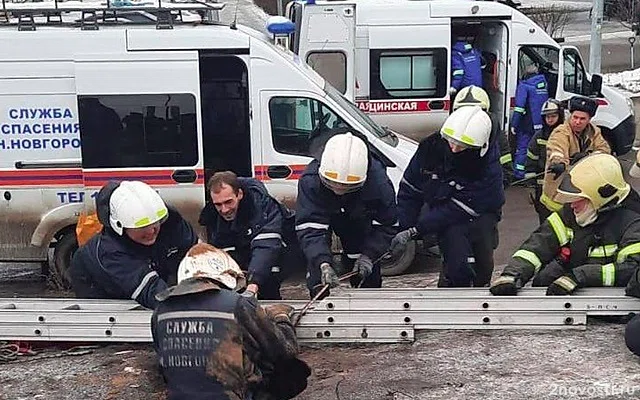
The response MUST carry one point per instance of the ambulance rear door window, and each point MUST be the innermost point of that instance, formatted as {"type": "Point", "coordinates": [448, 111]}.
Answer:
{"type": "Point", "coordinates": [408, 73]}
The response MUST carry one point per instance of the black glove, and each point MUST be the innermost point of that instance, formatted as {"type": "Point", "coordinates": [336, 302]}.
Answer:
{"type": "Point", "coordinates": [578, 156]}
{"type": "Point", "coordinates": [505, 285]}
{"type": "Point", "coordinates": [565, 285]}
{"type": "Point", "coordinates": [364, 267]}
{"type": "Point", "coordinates": [328, 275]}
{"type": "Point", "coordinates": [557, 169]}
{"type": "Point", "coordinates": [400, 241]}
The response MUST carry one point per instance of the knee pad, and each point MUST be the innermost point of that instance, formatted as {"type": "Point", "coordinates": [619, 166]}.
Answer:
{"type": "Point", "coordinates": [632, 335]}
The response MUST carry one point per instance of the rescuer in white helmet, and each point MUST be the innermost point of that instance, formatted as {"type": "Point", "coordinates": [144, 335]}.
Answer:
{"type": "Point", "coordinates": [349, 193]}
{"type": "Point", "coordinates": [138, 250]}
{"type": "Point", "coordinates": [225, 333]}
{"type": "Point", "coordinates": [452, 188]}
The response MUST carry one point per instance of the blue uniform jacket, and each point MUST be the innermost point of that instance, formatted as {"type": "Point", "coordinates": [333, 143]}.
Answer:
{"type": "Point", "coordinates": [466, 66]}
{"type": "Point", "coordinates": [373, 208]}
{"type": "Point", "coordinates": [255, 239]}
{"type": "Point", "coordinates": [440, 188]}
{"type": "Point", "coordinates": [110, 266]}
{"type": "Point", "coordinates": [531, 94]}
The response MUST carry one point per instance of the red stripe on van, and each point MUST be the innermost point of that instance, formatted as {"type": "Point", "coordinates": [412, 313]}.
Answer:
{"type": "Point", "coordinates": [41, 177]}
{"type": "Point", "coordinates": [152, 177]}
{"type": "Point", "coordinates": [402, 106]}
{"type": "Point", "coordinates": [260, 172]}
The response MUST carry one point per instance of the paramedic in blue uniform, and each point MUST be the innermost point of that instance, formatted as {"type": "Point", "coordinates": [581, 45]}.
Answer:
{"type": "Point", "coordinates": [526, 120]}
{"type": "Point", "coordinates": [347, 192]}
{"type": "Point", "coordinates": [453, 188]}
{"type": "Point", "coordinates": [466, 66]}
{"type": "Point", "coordinates": [258, 231]}
{"type": "Point", "coordinates": [137, 253]}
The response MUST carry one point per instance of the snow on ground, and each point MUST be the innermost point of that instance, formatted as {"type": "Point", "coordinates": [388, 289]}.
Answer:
{"type": "Point", "coordinates": [628, 81]}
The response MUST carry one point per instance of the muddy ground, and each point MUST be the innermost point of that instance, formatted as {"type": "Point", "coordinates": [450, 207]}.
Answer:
{"type": "Point", "coordinates": [591, 364]}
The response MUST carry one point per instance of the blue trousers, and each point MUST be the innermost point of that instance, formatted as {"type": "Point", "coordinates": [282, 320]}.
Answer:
{"type": "Point", "coordinates": [520, 159]}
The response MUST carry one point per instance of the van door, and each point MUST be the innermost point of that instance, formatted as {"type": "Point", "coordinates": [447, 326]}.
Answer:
{"type": "Point", "coordinates": [573, 77]}
{"type": "Point", "coordinates": [139, 120]}
{"type": "Point", "coordinates": [325, 39]}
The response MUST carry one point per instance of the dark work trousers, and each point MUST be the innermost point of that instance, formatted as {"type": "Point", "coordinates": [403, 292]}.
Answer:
{"type": "Point", "coordinates": [467, 250]}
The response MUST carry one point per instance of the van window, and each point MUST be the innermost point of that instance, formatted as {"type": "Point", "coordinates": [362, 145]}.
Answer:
{"type": "Point", "coordinates": [293, 119]}
{"type": "Point", "coordinates": [332, 66]}
{"type": "Point", "coordinates": [547, 59]}
{"type": "Point", "coordinates": [146, 130]}
{"type": "Point", "coordinates": [574, 76]}
{"type": "Point", "coordinates": [408, 74]}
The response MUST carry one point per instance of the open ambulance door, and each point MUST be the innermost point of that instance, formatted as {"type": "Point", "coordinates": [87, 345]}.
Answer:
{"type": "Point", "coordinates": [325, 40]}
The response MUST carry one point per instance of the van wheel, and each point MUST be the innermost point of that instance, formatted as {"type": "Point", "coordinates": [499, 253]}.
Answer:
{"type": "Point", "coordinates": [66, 247]}
{"type": "Point", "coordinates": [398, 267]}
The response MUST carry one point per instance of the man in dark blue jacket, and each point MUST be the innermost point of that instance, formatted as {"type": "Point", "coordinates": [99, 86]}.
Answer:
{"type": "Point", "coordinates": [453, 188]}
{"type": "Point", "coordinates": [254, 228]}
{"type": "Point", "coordinates": [137, 253]}
{"type": "Point", "coordinates": [348, 192]}
{"type": "Point", "coordinates": [466, 65]}
{"type": "Point", "coordinates": [531, 94]}
{"type": "Point", "coordinates": [215, 344]}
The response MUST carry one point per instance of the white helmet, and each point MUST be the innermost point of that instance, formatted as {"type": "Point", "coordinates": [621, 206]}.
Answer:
{"type": "Point", "coordinates": [135, 204]}
{"type": "Point", "coordinates": [205, 261]}
{"type": "Point", "coordinates": [472, 96]}
{"type": "Point", "coordinates": [344, 163]}
{"type": "Point", "coordinates": [468, 127]}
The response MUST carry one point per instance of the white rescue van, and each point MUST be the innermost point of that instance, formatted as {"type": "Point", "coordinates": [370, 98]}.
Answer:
{"type": "Point", "coordinates": [84, 103]}
{"type": "Point", "coordinates": [393, 58]}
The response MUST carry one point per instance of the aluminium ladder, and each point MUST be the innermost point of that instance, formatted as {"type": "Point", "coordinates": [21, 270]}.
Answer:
{"type": "Point", "coordinates": [356, 315]}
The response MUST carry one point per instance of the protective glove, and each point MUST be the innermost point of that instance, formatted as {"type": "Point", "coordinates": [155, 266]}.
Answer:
{"type": "Point", "coordinates": [328, 275]}
{"type": "Point", "coordinates": [557, 169]}
{"type": "Point", "coordinates": [279, 312]}
{"type": "Point", "coordinates": [578, 156]}
{"type": "Point", "coordinates": [400, 241]}
{"type": "Point", "coordinates": [505, 285]}
{"type": "Point", "coordinates": [565, 285]}
{"type": "Point", "coordinates": [364, 267]}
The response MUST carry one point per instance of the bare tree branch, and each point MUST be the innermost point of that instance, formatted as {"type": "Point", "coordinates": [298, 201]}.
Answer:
{"type": "Point", "coordinates": [624, 11]}
{"type": "Point", "coordinates": [552, 18]}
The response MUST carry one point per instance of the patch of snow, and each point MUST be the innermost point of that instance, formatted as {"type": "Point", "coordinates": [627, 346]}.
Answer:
{"type": "Point", "coordinates": [628, 81]}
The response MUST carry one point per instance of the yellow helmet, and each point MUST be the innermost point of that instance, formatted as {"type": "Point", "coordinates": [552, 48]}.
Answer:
{"type": "Point", "coordinates": [597, 178]}
{"type": "Point", "coordinates": [472, 96]}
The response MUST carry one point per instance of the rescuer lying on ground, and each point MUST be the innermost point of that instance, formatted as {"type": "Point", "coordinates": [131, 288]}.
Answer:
{"type": "Point", "coordinates": [213, 343]}
{"type": "Point", "coordinates": [594, 240]}
{"type": "Point", "coordinates": [138, 250]}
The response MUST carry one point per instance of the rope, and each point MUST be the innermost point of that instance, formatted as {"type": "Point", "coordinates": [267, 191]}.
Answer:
{"type": "Point", "coordinates": [8, 352]}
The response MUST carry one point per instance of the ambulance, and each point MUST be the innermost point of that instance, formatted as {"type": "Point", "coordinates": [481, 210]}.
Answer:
{"type": "Point", "coordinates": [83, 102]}
{"type": "Point", "coordinates": [393, 59]}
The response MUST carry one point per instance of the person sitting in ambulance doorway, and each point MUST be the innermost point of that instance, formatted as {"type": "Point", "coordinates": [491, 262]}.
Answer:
{"type": "Point", "coordinates": [347, 192]}
{"type": "Point", "coordinates": [531, 93]}
{"type": "Point", "coordinates": [568, 144]}
{"type": "Point", "coordinates": [594, 240]}
{"type": "Point", "coordinates": [258, 231]}
{"type": "Point", "coordinates": [453, 188]}
{"type": "Point", "coordinates": [553, 116]}
{"type": "Point", "coordinates": [233, 349]}
{"type": "Point", "coordinates": [136, 255]}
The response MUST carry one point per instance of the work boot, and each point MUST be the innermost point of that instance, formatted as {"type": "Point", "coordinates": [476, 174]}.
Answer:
{"type": "Point", "coordinates": [505, 285]}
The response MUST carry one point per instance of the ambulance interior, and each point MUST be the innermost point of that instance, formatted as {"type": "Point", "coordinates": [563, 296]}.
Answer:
{"type": "Point", "coordinates": [490, 37]}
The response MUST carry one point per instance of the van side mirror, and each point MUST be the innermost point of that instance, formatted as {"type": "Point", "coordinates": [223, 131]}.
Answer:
{"type": "Point", "coordinates": [596, 86]}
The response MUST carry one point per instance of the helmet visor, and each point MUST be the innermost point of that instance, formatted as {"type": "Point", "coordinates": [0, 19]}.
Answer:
{"type": "Point", "coordinates": [341, 188]}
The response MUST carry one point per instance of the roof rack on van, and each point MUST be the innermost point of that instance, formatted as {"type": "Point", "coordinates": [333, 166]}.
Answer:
{"type": "Point", "coordinates": [89, 14]}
